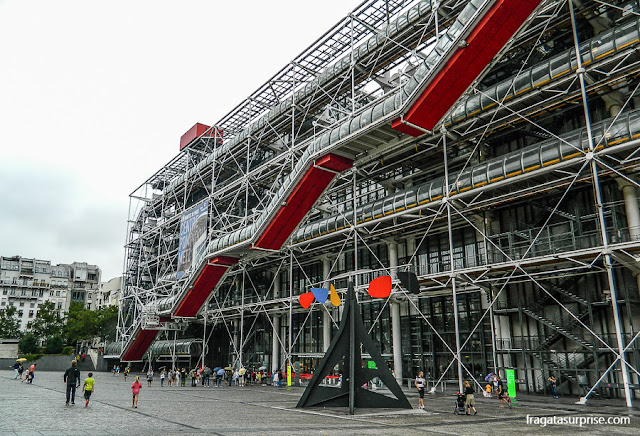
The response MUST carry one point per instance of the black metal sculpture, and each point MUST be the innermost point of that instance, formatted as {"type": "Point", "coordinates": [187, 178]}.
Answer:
{"type": "Point", "coordinates": [345, 346]}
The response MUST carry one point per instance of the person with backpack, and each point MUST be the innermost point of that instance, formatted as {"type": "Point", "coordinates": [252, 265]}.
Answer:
{"type": "Point", "coordinates": [470, 401]}
{"type": "Point", "coordinates": [72, 379]}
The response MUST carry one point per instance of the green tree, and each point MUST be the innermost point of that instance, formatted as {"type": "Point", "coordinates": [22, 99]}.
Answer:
{"type": "Point", "coordinates": [9, 323]}
{"type": "Point", "coordinates": [54, 345]}
{"type": "Point", "coordinates": [107, 322]}
{"type": "Point", "coordinates": [48, 321]}
{"type": "Point", "coordinates": [28, 344]}
{"type": "Point", "coordinates": [81, 323]}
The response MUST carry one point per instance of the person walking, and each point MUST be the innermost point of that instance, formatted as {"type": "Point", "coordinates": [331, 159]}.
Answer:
{"type": "Point", "coordinates": [72, 379]}
{"type": "Point", "coordinates": [554, 385]}
{"type": "Point", "coordinates": [499, 390]}
{"type": "Point", "coordinates": [88, 388]}
{"type": "Point", "coordinates": [236, 377]}
{"type": "Point", "coordinates": [162, 376]}
{"type": "Point", "coordinates": [419, 384]}
{"type": "Point", "coordinates": [135, 390]}
{"type": "Point", "coordinates": [149, 377]}
{"type": "Point", "coordinates": [32, 371]}
{"type": "Point", "coordinates": [470, 401]}
{"type": "Point", "coordinates": [183, 377]}
{"type": "Point", "coordinates": [126, 372]}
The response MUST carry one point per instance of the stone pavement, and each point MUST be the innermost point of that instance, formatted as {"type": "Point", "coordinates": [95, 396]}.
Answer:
{"type": "Point", "coordinates": [39, 409]}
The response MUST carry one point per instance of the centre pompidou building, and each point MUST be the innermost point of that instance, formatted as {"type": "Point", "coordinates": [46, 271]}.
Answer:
{"type": "Point", "coordinates": [490, 147]}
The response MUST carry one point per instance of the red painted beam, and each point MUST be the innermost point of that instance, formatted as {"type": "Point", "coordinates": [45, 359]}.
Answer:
{"type": "Point", "coordinates": [140, 345]}
{"type": "Point", "coordinates": [493, 31]}
{"type": "Point", "coordinates": [204, 284]}
{"type": "Point", "coordinates": [311, 185]}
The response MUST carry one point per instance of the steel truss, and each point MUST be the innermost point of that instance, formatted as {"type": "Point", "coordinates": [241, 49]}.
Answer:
{"type": "Point", "coordinates": [242, 162]}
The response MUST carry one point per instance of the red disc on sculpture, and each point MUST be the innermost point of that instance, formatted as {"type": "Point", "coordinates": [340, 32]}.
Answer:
{"type": "Point", "coordinates": [306, 299]}
{"type": "Point", "coordinates": [380, 287]}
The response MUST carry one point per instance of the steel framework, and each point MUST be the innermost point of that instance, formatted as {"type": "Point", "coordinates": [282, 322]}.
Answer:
{"type": "Point", "coordinates": [516, 207]}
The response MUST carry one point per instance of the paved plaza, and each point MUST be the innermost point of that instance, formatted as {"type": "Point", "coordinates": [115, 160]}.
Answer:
{"type": "Point", "coordinates": [265, 410]}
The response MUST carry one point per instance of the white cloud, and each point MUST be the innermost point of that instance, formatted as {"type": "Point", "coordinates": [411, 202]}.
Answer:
{"type": "Point", "coordinates": [94, 97]}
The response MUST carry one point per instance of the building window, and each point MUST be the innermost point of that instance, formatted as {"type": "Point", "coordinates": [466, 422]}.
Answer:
{"type": "Point", "coordinates": [10, 303]}
{"type": "Point", "coordinates": [57, 293]}
{"type": "Point", "coordinates": [22, 304]}
{"type": "Point", "coordinates": [4, 302]}
{"type": "Point", "coordinates": [31, 314]}
{"type": "Point", "coordinates": [5, 291]}
{"type": "Point", "coordinates": [32, 305]}
{"type": "Point", "coordinates": [89, 306]}
{"type": "Point", "coordinates": [59, 304]}
{"type": "Point", "coordinates": [20, 313]}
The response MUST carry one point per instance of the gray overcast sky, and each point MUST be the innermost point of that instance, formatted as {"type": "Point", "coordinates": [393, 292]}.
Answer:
{"type": "Point", "coordinates": [94, 96]}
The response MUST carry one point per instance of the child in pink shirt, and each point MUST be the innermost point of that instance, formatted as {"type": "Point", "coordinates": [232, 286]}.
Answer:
{"type": "Point", "coordinates": [135, 389]}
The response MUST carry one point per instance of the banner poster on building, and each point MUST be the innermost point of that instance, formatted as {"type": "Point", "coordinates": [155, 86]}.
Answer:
{"type": "Point", "coordinates": [193, 237]}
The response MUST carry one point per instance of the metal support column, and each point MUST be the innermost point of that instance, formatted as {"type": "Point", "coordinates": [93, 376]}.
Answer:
{"type": "Point", "coordinates": [396, 328]}
{"type": "Point", "coordinates": [275, 346]}
{"type": "Point", "coordinates": [454, 290]}
{"type": "Point", "coordinates": [599, 206]}
{"type": "Point", "coordinates": [326, 318]}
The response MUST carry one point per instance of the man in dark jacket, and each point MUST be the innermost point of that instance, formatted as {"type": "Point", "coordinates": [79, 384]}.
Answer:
{"type": "Point", "coordinates": [72, 379]}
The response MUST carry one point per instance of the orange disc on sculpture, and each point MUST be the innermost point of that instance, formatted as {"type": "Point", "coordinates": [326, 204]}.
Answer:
{"type": "Point", "coordinates": [306, 299]}
{"type": "Point", "coordinates": [333, 296]}
{"type": "Point", "coordinates": [380, 287]}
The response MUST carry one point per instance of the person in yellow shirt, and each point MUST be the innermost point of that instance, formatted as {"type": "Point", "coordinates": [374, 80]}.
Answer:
{"type": "Point", "coordinates": [88, 388]}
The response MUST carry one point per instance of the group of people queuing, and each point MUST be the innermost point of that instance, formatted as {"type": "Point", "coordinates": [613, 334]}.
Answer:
{"type": "Point", "coordinates": [22, 374]}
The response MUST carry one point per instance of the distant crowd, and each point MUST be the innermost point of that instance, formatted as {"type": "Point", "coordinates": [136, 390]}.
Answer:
{"type": "Point", "coordinates": [204, 376]}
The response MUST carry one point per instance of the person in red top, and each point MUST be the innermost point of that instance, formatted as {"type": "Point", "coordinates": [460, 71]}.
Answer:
{"type": "Point", "coordinates": [135, 389]}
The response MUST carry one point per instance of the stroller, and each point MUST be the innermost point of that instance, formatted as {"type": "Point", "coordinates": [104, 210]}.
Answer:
{"type": "Point", "coordinates": [460, 400]}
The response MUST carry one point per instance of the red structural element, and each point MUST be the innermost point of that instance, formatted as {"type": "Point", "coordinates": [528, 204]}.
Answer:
{"type": "Point", "coordinates": [380, 287]}
{"type": "Point", "coordinates": [195, 132]}
{"type": "Point", "coordinates": [306, 299]}
{"type": "Point", "coordinates": [485, 41]}
{"type": "Point", "coordinates": [311, 185]}
{"type": "Point", "coordinates": [204, 284]}
{"type": "Point", "coordinates": [139, 346]}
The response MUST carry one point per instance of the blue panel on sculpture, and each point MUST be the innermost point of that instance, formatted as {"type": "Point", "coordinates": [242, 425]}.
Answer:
{"type": "Point", "coordinates": [321, 294]}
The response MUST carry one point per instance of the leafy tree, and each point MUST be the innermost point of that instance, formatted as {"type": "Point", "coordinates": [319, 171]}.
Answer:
{"type": "Point", "coordinates": [81, 323]}
{"type": "Point", "coordinates": [107, 322]}
{"type": "Point", "coordinates": [48, 321]}
{"type": "Point", "coordinates": [28, 344]}
{"type": "Point", "coordinates": [55, 344]}
{"type": "Point", "coordinates": [9, 323]}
